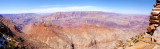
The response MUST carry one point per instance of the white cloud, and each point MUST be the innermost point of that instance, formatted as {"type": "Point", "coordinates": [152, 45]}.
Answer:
{"type": "Point", "coordinates": [76, 8]}
{"type": "Point", "coordinates": [61, 9]}
{"type": "Point", "coordinates": [130, 11]}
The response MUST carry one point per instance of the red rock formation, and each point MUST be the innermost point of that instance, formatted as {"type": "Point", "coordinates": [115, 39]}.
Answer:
{"type": "Point", "coordinates": [86, 36]}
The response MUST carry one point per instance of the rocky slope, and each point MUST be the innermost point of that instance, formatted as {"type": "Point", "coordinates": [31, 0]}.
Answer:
{"type": "Point", "coordinates": [142, 41]}
{"type": "Point", "coordinates": [8, 37]}
{"type": "Point", "coordinates": [12, 38]}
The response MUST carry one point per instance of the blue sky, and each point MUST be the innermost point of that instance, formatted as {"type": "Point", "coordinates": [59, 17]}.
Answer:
{"type": "Point", "coordinates": [51, 6]}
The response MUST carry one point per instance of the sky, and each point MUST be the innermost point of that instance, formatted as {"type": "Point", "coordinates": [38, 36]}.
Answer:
{"type": "Point", "coordinates": [50, 6]}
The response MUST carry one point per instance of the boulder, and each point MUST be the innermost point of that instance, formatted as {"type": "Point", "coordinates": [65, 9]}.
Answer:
{"type": "Point", "coordinates": [154, 21]}
{"type": "Point", "coordinates": [156, 9]}
{"type": "Point", "coordinates": [156, 25]}
{"type": "Point", "coordinates": [158, 1]}
{"type": "Point", "coordinates": [156, 4]}
{"type": "Point", "coordinates": [154, 17]}
{"type": "Point", "coordinates": [150, 29]}
{"type": "Point", "coordinates": [155, 12]}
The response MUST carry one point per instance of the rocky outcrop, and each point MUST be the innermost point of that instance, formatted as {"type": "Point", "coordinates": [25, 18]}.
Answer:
{"type": "Point", "coordinates": [153, 29]}
{"type": "Point", "coordinates": [149, 39]}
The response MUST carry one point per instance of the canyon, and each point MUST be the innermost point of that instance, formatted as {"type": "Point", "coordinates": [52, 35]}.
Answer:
{"type": "Point", "coordinates": [76, 30]}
